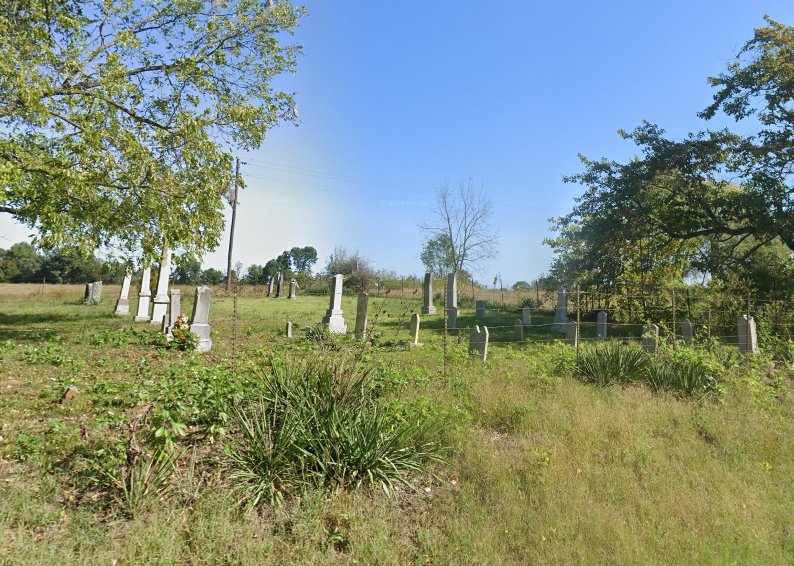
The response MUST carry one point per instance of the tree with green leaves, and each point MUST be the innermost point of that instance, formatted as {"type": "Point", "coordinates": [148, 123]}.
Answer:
{"type": "Point", "coordinates": [119, 118]}
{"type": "Point", "coordinates": [712, 197]}
{"type": "Point", "coordinates": [303, 259]}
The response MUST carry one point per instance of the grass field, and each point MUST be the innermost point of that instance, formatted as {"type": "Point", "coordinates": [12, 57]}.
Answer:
{"type": "Point", "coordinates": [540, 467]}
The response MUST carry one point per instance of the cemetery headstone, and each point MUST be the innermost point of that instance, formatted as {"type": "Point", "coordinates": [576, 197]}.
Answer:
{"type": "Point", "coordinates": [601, 324]}
{"type": "Point", "coordinates": [93, 293]}
{"type": "Point", "coordinates": [199, 324]}
{"type": "Point", "coordinates": [288, 330]}
{"type": "Point", "coordinates": [481, 306]}
{"type": "Point", "coordinates": [452, 318]}
{"type": "Point", "coordinates": [293, 289]}
{"type": "Point", "coordinates": [415, 320]}
{"type": "Point", "coordinates": [174, 311]}
{"type": "Point", "coordinates": [650, 338]}
{"type": "Point", "coordinates": [279, 285]}
{"type": "Point", "coordinates": [572, 333]}
{"type": "Point", "coordinates": [686, 331]}
{"type": "Point", "coordinates": [270, 286]}
{"type": "Point", "coordinates": [427, 295]}
{"type": "Point", "coordinates": [123, 304]}
{"type": "Point", "coordinates": [561, 314]}
{"type": "Point", "coordinates": [161, 301]}
{"type": "Point", "coordinates": [145, 296]}
{"type": "Point", "coordinates": [518, 330]}
{"type": "Point", "coordinates": [478, 342]}
{"type": "Point", "coordinates": [748, 337]}
{"type": "Point", "coordinates": [334, 318]}
{"type": "Point", "coordinates": [452, 291]}
{"type": "Point", "coordinates": [361, 316]}
{"type": "Point", "coordinates": [526, 316]}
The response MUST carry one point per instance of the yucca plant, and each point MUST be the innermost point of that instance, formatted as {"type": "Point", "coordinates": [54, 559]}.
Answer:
{"type": "Point", "coordinates": [611, 362]}
{"type": "Point", "coordinates": [684, 371]}
{"type": "Point", "coordinates": [320, 423]}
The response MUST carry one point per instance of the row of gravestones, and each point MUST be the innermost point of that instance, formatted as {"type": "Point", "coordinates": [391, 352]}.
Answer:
{"type": "Point", "coordinates": [275, 287]}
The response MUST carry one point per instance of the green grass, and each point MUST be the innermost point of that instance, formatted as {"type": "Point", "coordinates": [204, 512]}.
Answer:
{"type": "Point", "coordinates": [541, 466]}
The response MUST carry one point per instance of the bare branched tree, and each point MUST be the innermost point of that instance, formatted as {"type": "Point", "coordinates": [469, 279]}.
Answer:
{"type": "Point", "coordinates": [461, 229]}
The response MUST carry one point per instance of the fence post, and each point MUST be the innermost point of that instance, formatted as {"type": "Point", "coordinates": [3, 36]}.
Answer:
{"type": "Point", "coordinates": [674, 335]}
{"type": "Point", "coordinates": [578, 300]}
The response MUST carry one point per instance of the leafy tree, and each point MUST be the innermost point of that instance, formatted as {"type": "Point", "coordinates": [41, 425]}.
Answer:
{"type": "Point", "coordinates": [256, 275]}
{"type": "Point", "coordinates": [212, 276]}
{"type": "Point", "coordinates": [303, 259]}
{"type": "Point", "coordinates": [461, 231]}
{"type": "Point", "coordinates": [521, 286]}
{"type": "Point", "coordinates": [21, 263]}
{"type": "Point", "coordinates": [358, 273]}
{"type": "Point", "coordinates": [709, 201]}
{"type": "Point", "coordinates": [438, 256]}
{"type": "Point", "coordinates": [186, 270]}
{"type": "Point", "coordinates": [118, 118]}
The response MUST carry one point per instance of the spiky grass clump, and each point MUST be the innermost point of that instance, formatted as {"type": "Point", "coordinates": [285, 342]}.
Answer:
{"type": "Point", "coordinates": [319, 423]}
{"type": "Point", "coordinates": [612, 362]}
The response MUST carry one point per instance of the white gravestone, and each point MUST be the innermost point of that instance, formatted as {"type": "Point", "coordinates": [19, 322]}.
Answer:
{"type": "Point", "coordinates": [452, 318]}
{"type": "Point", "coordinates": [279, 286]}
{"type": "Point", "coordinates": [478, 342]}
{"type": "Point", "coordinates": [601, 324]}
{"type": "Point", "coordinates": [333, 318]}
{"type": "Point", "coordinates": [452, 291]}
{"type": "Point", "coordinates": [415, 320]}
{"type": "Point", "coordinates": [362, 306]}
{"type": "Point", "coordinates": [270, 286]}
{"type": "Point", "coordinates": [161, 301]}
{"type": "Point", "coordinates": [288, 330]}
{"type": "Point", "coordinates": [572, 333]}
{"type": "Point", "coordinates": [686, 331]}
{"type": "Point", "coordinates": [481, 306]}
{"type": "Point", "coordinates": [174, 311]}
{"type": "Point", "coordinates": [144, 296]}
{"type": "Point", "coordinates": [561, 315]}
{"type": "Point", "coordinates": [526, 316]}
{"type": "Point", "coordinates": [293, 289]}
{"type": "Point", "coordinates": [650, 338]}
{"type": "Point", "coordinates": [748, 337]}
{"type": "Point", "coordinates": [123, 304]}
{"type": "Point", "coordinates": [518, 330]}
{"type": "Point", "coordinates": [427, 295]}
{"type": "Point", "coordinates": [199, 324]}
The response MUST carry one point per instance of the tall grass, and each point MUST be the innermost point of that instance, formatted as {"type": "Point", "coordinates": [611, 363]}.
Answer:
{"type": "Point", "coordinates": [612, 362]}
{"type": "Point", "coordinates": [319, 423]}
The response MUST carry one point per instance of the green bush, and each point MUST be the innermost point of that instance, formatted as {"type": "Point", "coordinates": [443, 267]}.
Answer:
{"type": "Point", "coordinates": [612, 362]}
{"type": "Point", "coordinates": [685, 370]}
{"type": "Point", "coordinates": [319, 423]}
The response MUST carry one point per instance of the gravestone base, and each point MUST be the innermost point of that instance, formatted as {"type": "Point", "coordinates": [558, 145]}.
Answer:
{"type": "Point", "coordinates": [122, 307]}
{"type": "Point", "coordinates": [143, 309]}
{"type": "Point", "coordinates": [429, 310]}
{"type": "Point", "coordinates": [203, 332]}
{"type": "Point", "coordinates": [160, 308]}
{"type": "Point", "coordinates": [335, 323]}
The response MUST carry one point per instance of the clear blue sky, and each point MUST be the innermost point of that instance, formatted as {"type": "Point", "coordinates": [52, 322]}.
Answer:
{"type": "Point", "coordinates": [398, 97]}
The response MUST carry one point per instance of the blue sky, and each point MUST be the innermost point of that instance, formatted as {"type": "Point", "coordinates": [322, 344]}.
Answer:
{"type": "Point", "coordinates": [396, 98]}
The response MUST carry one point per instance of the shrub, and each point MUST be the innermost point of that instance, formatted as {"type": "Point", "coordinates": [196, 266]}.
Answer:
{"type": "Point", "coordinates": [684, 370]}
{"type": "Point", "coordinates": [612, 362]}
{"type": "Point", "coordinates": [320, 423]}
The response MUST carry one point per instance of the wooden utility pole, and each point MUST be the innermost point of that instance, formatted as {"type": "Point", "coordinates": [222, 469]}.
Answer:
{"type": "Point", "coordinates": [233, 202]}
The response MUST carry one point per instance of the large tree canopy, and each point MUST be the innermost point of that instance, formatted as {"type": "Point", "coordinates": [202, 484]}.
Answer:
{"type": "Point", "coordinates": [715, 195]}
{"type": "Point", "coordinates": [118, 117]}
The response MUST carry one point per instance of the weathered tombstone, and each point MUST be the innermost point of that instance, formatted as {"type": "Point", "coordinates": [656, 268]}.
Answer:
{"type": "Point", "coordinates": [427, 295]}
{"type": "Point", "coordinates": [452, 291]}
{"type": "Point", "coordinates": [601, 325]}
{"type": "Point", "coordinates": [518, 330]}
{"type": "Point", "coordinates": [478, 342]}
{"type": "Point", "coordinates": [572, 333]}
{"type": "Point", "coordinates": [415, 320]}
{"type": "Point", "coordinates": [161, 301]}
{"type": "Point", "coordinates": [174, 311]}
{"type": "Point", "coordinates": [333, 318]}
{"type": "Point", "coordinates": [288, 330]}
{"type": "Point", "coordinates": [270, 286]}
{"type": "Point", "coordinates": [279, 285]}
{"type": "Point", "coordinates": [561, 315]}
{"type": "Point", "coordinates": [452, 318]}
{"type": "Point", "coordinates": [93, 293]}
{"type": "Point", "coordinates": [481, 306]}
{"type": "Point", "coordinates": [199, 324]}
{"type": "Point", "coordinates": [361, 316]}
{"type": "Point", "coordinates": [526, 316]}
{"type": "Point", "coordinates": [650, 338]}
{"type": "Point", "coordinates": [748, 337]}
{"type": "Point", "coordinates": [123, 304]}
{"type": "Point", "coordinates": [293, 289]}
{"type": "Point", "coordinates": [686, 331]}
{"type": "Point", "coordinates": [144, 296]}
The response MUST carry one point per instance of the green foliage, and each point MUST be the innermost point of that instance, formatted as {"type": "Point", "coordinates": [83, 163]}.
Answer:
{"type": "Point", "coordinates": [319, 423]}
{"type": "Point", "coordinates": [181, 336]}
{"type": "Point", "coordinates": [686, 371]}
{"type": "Point", "coordinates": [211, 276]}
{"type": "Point", "coordinates": [121, 133]}
{"type": "Point", "coordinates": [612, 362]}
